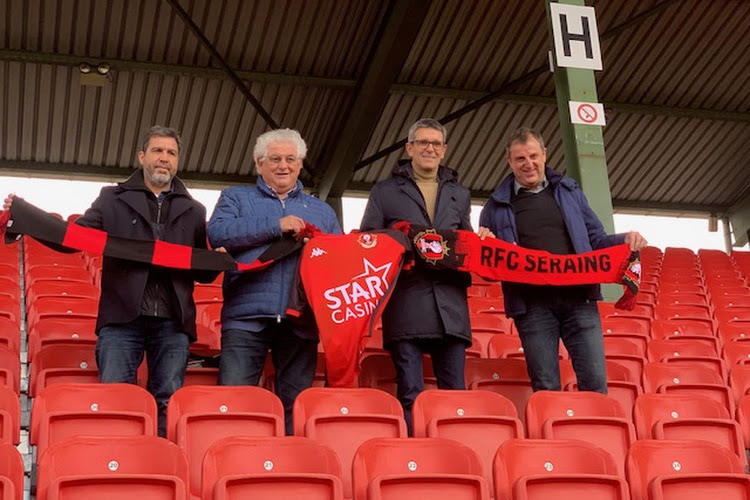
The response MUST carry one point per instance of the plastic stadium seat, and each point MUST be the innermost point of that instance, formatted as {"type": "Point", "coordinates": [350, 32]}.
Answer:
{"type": "Point", "coordinates": [378, 372]}
{"type": "Point", "coordinates": [479, 419]}
{"type": "Point", "coordinates": [640, 313]}
{"type": "Point", "coordinates": [682, 299]}
{"type": "Point", "coordinates": [68, 410]}
{"type": "Point", "coordinates": [731, 301]}
{"type": "Point", "coordinates": [737, 353]}
{"type": "Point", "coordinates": [62, 363]}
{"type": "Point", "coordinates": [56, 273]}
{"type": "Point", "coordinates": [60, 307]}
{"type": "Point", "coordinates": [207, 294]}
{"type": "Point", "coordinates": [55, 331]}
{"type": "Point", "coordinates": [682, 416]}
{"type": "Point", "coordinates": [115, 468]}
{"type": "Point", "coordinates": [75, 289]}
{"type": "Point", "coordinates": [588, 416]}
{"type": "Point", "coordinates": [198, 416]}
{"type": "Point", "coordinates": [405, 469]}
{"type": "Point", "coordinates": [209, 315]}
{"type": "Point", "coordinates": [505, 346]}
{"type": "Point", "coordinates": [712, 362]}
{"type": "Point", "coordinates": [11, 472]}
{"type": "Point", "coordinates": [660, 349]}
{"type": "Point", "coordinates": [631, 329]}
{"type": "Point", "coordinates": [735, 330]}
{"type": "Point", "coordinates": [556, 469]}
{"type": "Point", "coordinates": [696, 331]}
{"type": "Point", "coordinates": [10, 308]}
{"type": "Point", "coordinates": [10, 416]}
{"type": "Point", "coordinates": [685, 470]}
{"type": "Point", "coordinates": [10, 335]}
{"type": "Point", "coordinates": [271, 469]}
{"type": "Point", "coordinates": [732, 315]}
{"type": "Point", "coordinates": [508, 377]}
{"type": "Point", "coordinates": [621, 384]}
{"type": "Point", "coordinates": [667, 287]}
{"type": "Point", "coordinates": [486, 305]}
{"type": "Point", "coordinates": [667, 378]}
{"type": "Point", "coordinates": [692, 313]}
{"type": "Point", "coordinates": [491, 323]}
{"type": "Point", "coordinates": [345, 418]}
{"type": "Point", "coordinates": [743, 417]}
{"type": "Point", "coordinates": [10, 370]}
{"type": "Point", "coordinates": [739, 380]}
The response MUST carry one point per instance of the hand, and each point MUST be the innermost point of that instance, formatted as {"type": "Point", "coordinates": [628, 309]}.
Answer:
{"type": "Point", "coordinates": [291, 224]}
{"type": "Point", "coordinates": [636, 241]}
{"type": "Point", "coordinates": [484, 232]}
{"type": "Point", "coordinates": [8, 202]}
{"type": "Point", "coordinates": [220, 250]}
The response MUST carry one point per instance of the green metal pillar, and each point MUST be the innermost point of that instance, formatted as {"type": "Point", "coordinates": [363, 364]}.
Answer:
{"type": "Point", "coordinates": [583, 145]}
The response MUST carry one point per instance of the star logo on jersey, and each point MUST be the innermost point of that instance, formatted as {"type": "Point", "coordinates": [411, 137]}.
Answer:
{"type": "Point", "coordinates": [430, 245]}
{"type": "Point", "coordinates": [367, 240]}
{"type": "Point", "coordinates": [358, 297]}
{"type": "Point", "coordinates": [317, 252]}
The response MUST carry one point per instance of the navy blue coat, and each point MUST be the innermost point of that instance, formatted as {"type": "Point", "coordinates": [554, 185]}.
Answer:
{"type": "Point", "coordinates": [584, 227]}
{"type": "Point", "coordinates": [246, 222]}
{"type": "Point", "coordinates": [425, 304]}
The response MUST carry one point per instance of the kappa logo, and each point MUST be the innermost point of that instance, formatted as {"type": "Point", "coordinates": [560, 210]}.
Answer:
{"type": "Point", "coordinates": [317, 252]}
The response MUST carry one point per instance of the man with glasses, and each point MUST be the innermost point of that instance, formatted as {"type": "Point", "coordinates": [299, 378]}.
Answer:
{"type": "Point", "coordinates": [246, 221]}
{"type": "Point", "coordinates": [428, 312]}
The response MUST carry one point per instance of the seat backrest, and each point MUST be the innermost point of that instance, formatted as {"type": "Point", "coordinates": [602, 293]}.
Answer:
{"type": "Point", "coordinates": [60, 288]}
{"type": "Point", "coordinates": [521, 457]}
{"type": "Point", "coordinates": [545, 405]}
{"type": "Point", "coordinates": [11, 467]}
{"type": "Point", "coordinates": [259, 456]}
{"type": "Point", "coordinates": [504, 346]}
{"type": "Point", "coordinates": [658, 374]}
{"type": "Point", "coordinates": [107, 458]}
{"type": "Point", "coordinates": [412, 457]}
{"type": "Point", "coordinates": [495, 369]}
{"type": "Point", "coordinates": [661, 328]}
{"type": "Point", "coordinates": [79, 362]}
{"type": "Point", "coordinates": [10, 369]}
{"type": "Point", "coordinates": [650, 458]}
{"type": "Point", "coordinates": [61, 307]}
{"type": "Point", "coordinates": [659, 349]}
{"type": "Point", "coordinates": [651, 408]}
{"type": "Point", "coordinates": [10, 416]}
{"type": "Point", "coordinates": [79, 409]}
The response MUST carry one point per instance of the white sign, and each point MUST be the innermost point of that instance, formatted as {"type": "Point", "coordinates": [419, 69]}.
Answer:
{"type": "Point", "coordinates": [576, 37]}
{"type": "Point", "coordinates": [586, 113]}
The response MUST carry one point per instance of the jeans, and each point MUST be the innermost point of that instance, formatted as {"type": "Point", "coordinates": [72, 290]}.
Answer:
{"type": "Point", "coordinates": [120, 349]}
{"type": "Point", "coordinates": [574, 320]}
{"type": "Point", "coordinates": [448, 360]}
{"type": "Point", "coordinates": [243, 355]}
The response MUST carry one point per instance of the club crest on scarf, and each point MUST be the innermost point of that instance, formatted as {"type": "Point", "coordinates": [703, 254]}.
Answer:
{"type": "Point", "coordinates": [430, 246]}
{"type": "Point", "coordinates": [367, 240]}
{"type": "Point", "coordinates": [358, 297]}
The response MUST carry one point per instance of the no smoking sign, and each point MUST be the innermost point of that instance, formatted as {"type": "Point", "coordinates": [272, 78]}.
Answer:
{"type": "Point", "coordinates": [587, 113]}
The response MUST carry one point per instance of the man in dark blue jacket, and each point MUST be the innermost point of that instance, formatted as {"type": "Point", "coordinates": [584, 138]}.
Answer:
{"type": "Point", "coordinates": [246, 221]}
{"type": "Point", "coordinates": [536, 207]}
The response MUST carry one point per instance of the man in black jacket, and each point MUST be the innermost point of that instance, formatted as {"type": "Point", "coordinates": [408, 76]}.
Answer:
{"type": "Point", "coordinates": [428, 311]}
{"type": "Point", "coordinates": [143, 308]}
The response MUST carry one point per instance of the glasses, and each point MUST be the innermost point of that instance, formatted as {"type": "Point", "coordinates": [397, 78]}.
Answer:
{"type": "Point", "coordinates": [425, 144]}
{"type": "Point", "coordinates": [276, 160]}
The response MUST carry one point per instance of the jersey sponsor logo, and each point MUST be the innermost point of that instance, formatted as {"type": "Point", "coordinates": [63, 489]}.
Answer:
{"type": "Point", "coordinates": [367, 240]}
{"type": "Point", "coordinates": [317, 252]}
{"type": "Point", "coordinates": [358, 297]}
{"type": "Point", "coordinates": [430, 245]}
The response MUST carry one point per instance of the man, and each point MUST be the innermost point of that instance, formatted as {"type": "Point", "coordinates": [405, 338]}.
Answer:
{"type": "Point", "coordinates": [536, 207]}
{"type": "Point", "coordinates": [427, 312]}
{"type": "Point", "coordinates": [246, 221]}
{"type": "Point", "coordinates": [143, 308]}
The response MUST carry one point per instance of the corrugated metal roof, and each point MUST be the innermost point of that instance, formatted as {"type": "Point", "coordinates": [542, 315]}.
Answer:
{"type": "Point", "coordinates": [676, 80]}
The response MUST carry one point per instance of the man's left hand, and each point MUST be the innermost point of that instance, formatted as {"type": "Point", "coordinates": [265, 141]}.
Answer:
{"type": "Point", "coordinates": [484, 232]}
{"type": "Point", "coordinates": [636, 241]}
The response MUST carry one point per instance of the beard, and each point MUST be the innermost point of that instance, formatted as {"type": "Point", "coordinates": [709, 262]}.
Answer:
{"type": "Point", "coordinates": [159, 179]}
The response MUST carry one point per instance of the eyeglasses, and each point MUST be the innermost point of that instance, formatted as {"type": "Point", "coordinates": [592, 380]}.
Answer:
{"type": "Point", "coordinates": [276, 160]}
{"type": "Point", "coordinates": [425, 144]}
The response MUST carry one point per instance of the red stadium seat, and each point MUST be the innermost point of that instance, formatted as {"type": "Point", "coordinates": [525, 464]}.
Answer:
{"type": "Point", "coordinates": [10, 370]}
{"type": "Point", "coordinates": [666, 378]}
{"type": "Point", "coordinates": [11, 472]}
{"type": "Point", "coordinates": [271, 468]}
{"type": "Point", "coordinates": [508, 377]}
{"type": "Point", "coordinates": [57, 273]}
{"type": "Point", "coordinates": [631, 329]}
{"type": "Point", "coordinates": [660, 349]}
{"type": "Point", "coordinates": [739, 380]}
{"type": "Point", "coordinates": [10, 335]}
{"type": "Point", "coordinates": [505, 346]}
{"type": "Point", "coordinates": [198, 416]}
{"type": "Point", "coordinates": [10, 416]}
{"type": "Point", "coordinates": [695, 331]}
{"type": "Point", "coordinates": [479, 419]}
{"type": "Point", "coordinates": [10, 308]}
{"type": "Point", "coordinates": [61, 307]}
{"type": "Point", "coordinates": [683, 416]}
{"type": "Point", "coordinates": [345, 418]}
{"type": "Point", "coordinates": [743, 417]}
{"type": "Point", "coordinates": [559, 469]}
{"type": "Point", "coordinates": [685, 470]}
{"type": "Point", "coordinates": [378, 372]}
{"type": "Point", "coordinates": [73, 289]}
{"type": "Point", "coordinates": [56, 331]}
{"type": "Point", "coordinates": [404, 469]}
{"type": "Point", "coordinates": [62, 363]}
{"type": "Point", "coordinates": [71, 410]}
{"type": "Point", "coordinates": [115, 468]}
{"type": "Point", "coordinates": [622, 385]}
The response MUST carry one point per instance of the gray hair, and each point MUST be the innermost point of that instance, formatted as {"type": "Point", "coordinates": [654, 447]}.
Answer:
{"type": "Point", "coordinates": [283, 134]}
{"type": "Point", "coordinates": [521, 136]}
{"type": "Point", "coordinates": [427, 123]}
{"type": "Point", "coordinates": [160, 131]}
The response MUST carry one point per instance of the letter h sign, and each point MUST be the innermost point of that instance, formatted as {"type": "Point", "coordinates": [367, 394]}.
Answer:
{"type": "Point", "coordinates": [576, 37]}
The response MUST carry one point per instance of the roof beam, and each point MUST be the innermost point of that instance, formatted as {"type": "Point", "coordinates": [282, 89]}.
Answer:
{"type": "Point", "coordinates": [398, 31]}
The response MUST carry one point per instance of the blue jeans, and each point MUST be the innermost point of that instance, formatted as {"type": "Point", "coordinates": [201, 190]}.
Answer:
{"type": "Point", "coordinates": [448, 356]}
{"type": "Point", "coordinates": [243, 354]}
{"type": "Point", "coordinates": [574, 320]}
{"type": "Point", "coordinates": [120, 349]}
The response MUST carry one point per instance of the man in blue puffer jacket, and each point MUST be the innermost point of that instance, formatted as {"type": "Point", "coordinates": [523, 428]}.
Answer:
{"type": "Point", "coordinates": [536, 207]}
{"type": "Point", "coordinates": [246, 221]}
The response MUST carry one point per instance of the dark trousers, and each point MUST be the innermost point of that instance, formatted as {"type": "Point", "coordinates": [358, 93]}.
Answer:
{"type": "Point", "coordinates": [120, 349]}
{"type": "Point", "coordinates": [243, 355]}
{"type": "Point", "coordinates": [448, 356]}
{"type": "Point", "coordinates": [574, 320]}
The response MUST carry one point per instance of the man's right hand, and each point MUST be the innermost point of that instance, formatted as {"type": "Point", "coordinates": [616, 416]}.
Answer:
{"type": "Point", "coordinates": [291, 224]}
{"type": "Point", "coordinates": [8, 202]}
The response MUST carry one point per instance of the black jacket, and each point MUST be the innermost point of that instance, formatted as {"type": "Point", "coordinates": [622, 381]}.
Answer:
{"type": "Point", "coordinates": [123, 210]}
{"type": "Point", "coordinates": [425, 303]}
